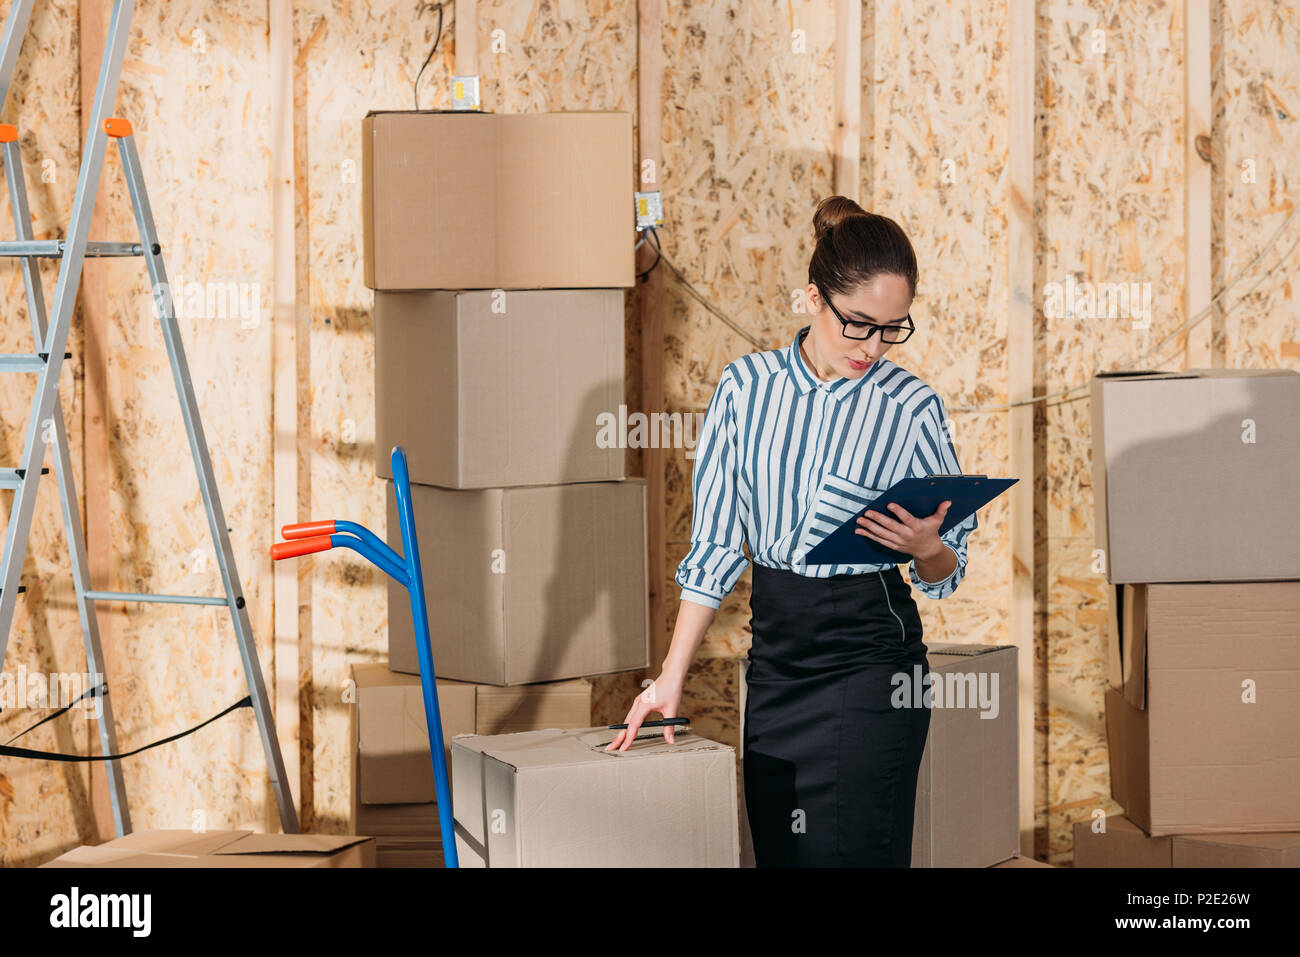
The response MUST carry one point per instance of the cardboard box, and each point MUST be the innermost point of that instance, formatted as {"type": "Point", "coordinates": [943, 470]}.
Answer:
{"type": "Point", "coordinates": [223, 849]}
{"type": "Point", "coordinates": [1123, 844]}
{"type": "Point", "coordinates": [405, 835]}
{"type": "Point", "coordinates": [540, 583]}
{"type": "Point", "coordinates": [967, 792]}
{"type": "Point", "coordinates": [480, 397]}
{"type": "Point", "coordinates": [1191, 473]}
{"type": "Point", "coordinates": [469, 200]}
{"type": "Point", "coordinates": [558, 799]}
{"type": "Point", "coordinates": [390, 737]}
{"type": "Point", "coordinates": [1214, 747]}
{"type": "Point", "coordinates": [390, 741]}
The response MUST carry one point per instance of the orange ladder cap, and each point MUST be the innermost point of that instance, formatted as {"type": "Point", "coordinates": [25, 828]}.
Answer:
{"type": "Point", "coordinates": [116, 127]}
{"type": "Point", "coordinates": [8, 133]}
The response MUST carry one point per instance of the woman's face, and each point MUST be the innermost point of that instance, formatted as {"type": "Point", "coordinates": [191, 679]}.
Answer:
{"type": "Point", "coordinates": [884, 300]}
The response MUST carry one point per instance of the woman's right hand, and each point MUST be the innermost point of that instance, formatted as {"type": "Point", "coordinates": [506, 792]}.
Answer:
{"type": "Point", "coordinates": [663, 695]}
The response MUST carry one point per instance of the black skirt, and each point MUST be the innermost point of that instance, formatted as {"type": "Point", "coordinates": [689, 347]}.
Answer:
{"type": "Point", "coordinates": [830, 763]}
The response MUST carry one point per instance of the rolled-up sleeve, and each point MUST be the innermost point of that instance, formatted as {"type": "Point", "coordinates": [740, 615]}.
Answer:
{"type": "Point", "coordinates": [935, 455]}
{"type": "Point", "coordinates": [715, 561]}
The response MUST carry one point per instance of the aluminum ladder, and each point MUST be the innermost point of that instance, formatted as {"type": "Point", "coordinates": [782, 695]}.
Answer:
{"type": "Point", "coordinates": [46, 426]}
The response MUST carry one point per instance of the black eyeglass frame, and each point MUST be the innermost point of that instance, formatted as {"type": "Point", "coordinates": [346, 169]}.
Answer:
{"type": "Point", "coordinates": [875, 327]}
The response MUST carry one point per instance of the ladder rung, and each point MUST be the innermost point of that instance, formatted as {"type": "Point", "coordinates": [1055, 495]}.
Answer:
{"type": "Point", "coordinates": [21, 589]}
{"type": "Point", "coordinates": [12, 478]}
{"type": "Point", "coordinates": [161, 599]}
{"type": "Point", "coordinates": [26, 361]}
{"type": "Point", "coordinates": [53, 248]}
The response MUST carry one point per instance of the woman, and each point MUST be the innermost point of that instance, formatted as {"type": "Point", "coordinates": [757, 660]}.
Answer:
{"type": "Point", "coordinates": [793, 439]}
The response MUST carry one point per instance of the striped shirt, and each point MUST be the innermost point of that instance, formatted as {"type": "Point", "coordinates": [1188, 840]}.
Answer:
{"type": "Point", "coordinates": [784, 458]}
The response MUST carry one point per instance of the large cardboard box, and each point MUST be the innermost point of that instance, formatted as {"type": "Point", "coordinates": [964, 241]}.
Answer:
{"type": "Point", "coordinates": [559, 799]}
{"type": "Point", "coordinates": [967, 792]}
{"type": "Point", "coordinates": [469, 200]}
{"type": "Point", "coordinates": [492, 389]}
{"type": "Point", "coordinates": [390, 740]}
{"type": "Point", "coordinates": [1213, 747]}
{"type": "Point", "coordinates": [1123, 844]}
{"type": "Point", "coordinates": [539, 583]}
{"type": "Point", "coordinates": [1192, 472]}
{"type": "Point", "coordinates": [223, 849]}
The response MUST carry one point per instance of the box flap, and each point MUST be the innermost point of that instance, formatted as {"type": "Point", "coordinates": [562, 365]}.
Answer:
{"type": "Point", "coordinates": [940, 648]}
{"type": "Point", "coordinates": [181, 842]}
{"type": "Point", "coordinates": [1133, 644]}
{"type": "Point", "coordinates": [1194, 374]}
{"type": "Point", "coordinates": [251, 843]}
{"type": "Point", "coordinates": [556, 747]}
{"type": "Point", "coordinates": [420, 112]}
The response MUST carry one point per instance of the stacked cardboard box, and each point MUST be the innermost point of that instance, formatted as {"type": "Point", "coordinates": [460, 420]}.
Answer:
{"type": "Point", "coordinates": [1192, 475]}
{"type": "Point", "coordinates": [558, 799]}
{"type": "Point", "coordinates": [393, 797]}
{"type": "Point", "coordinates": [498, 247]}
{"type": "Point", "coordinates": [1118, 842]}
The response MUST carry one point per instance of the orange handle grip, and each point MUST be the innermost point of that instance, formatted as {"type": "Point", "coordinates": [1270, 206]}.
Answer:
{"type": "Point", "coordinates": [301, 546]}
{"type": "Point", "coordinates": [307, 529]}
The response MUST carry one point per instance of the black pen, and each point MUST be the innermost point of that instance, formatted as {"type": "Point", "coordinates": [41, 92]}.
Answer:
{"type": "Point", "coordinates": [653, 724]}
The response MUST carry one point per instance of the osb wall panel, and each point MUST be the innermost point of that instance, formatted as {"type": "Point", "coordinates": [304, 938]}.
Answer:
{"type": "Point", "coordinates": [1259, 116]}
{"type": "Point", "coordinates": [43, 807]}
{"type": "Point", "coordinates": [553, 56]}
{"type": "Point", "coordinates": [1114, 131]}
{"type": "Point", "coordinates": [746, 156]}
{"type": "Point", "coordinates": [194, 86]}
{"type": "Point", "coordinates": [747, 132]}
{"type": "Point", "coordinates": [1110, 210]}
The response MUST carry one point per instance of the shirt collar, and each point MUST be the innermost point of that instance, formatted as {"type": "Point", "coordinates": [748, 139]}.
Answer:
{"type": "Point", "coordinates": [805, 380]}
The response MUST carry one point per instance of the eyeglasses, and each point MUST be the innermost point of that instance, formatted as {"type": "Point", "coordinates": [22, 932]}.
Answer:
{"type": "Point", "coordinates": [892, 334]}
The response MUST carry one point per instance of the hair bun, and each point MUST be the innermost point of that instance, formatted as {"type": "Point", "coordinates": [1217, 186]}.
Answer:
{"type": "Point", "coordinates": [832, 211]}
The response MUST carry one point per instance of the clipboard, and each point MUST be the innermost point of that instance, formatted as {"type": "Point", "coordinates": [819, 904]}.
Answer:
{"type": "Point", "coordinates": [921, 496]}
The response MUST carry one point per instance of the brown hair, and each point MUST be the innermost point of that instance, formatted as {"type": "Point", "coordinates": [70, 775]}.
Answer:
{"type": "Point", "coordinates": [854, 246]}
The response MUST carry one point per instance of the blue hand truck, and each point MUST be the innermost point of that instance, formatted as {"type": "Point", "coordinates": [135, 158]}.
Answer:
{"type": "Point", "coordinates": [311, 537]}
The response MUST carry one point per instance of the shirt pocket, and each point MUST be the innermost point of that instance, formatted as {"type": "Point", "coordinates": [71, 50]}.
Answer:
{"type": "Point", "coordinates": [837, 500]}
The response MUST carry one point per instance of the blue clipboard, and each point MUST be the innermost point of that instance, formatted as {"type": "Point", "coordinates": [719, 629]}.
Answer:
{"type": "Point", "coordinates": [921, 496]}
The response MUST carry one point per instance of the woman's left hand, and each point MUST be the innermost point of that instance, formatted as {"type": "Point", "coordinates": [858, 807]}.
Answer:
{"type": "Point", "coordinates": [904, 532]}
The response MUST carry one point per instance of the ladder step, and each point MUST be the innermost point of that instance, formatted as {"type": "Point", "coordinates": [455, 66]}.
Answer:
{"type": "Point", "coordinates": [26, 361]}
{"type": "Point", "coordinates": [21, 589]}
{"type": "Point", "coordinates": [161, 599]}
{"type": "Point", "coordinates": [12, 478]}
{"type": "Point", "coordinates": [53, 248]}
